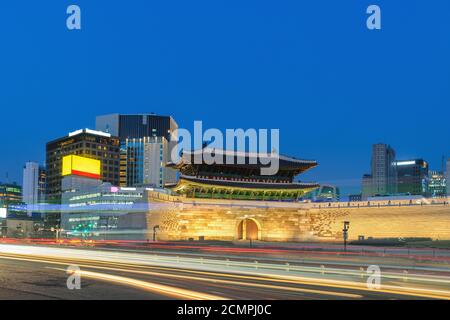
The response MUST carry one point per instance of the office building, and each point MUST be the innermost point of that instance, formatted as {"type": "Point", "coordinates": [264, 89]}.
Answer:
{"type": "Point", "coordinates": [135, 126]}
{"type": "Point", "coordinates": [412, 177]}
{"type": "Point", "coordinates": [10, 194]}
{"type": "Point", "coordinates": [146, 144]}
{"type": "Point", "coordinates": [383, 178]}
{"type": "Point", "coordinates": [84, 143]}
{"type": "Point", "coordinates": [96, 211]}
{"type": "Point", "coordinates": [34, 183]}
{"type": "Point", "coordinates": [437, 187]}
{"type": "Point", "coordinates": [143, 163]}
{"type": "Point", "coordinates": [11, 200]}
{"type": "Point", "coordinates": [109, 212]}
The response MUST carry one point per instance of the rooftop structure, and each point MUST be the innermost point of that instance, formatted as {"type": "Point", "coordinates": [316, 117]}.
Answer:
{"type": "Point", "coordinates": [129, 126]}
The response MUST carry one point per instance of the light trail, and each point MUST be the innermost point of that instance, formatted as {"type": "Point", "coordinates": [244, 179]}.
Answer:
{"type": "Point", "coordinates": [245, 275]}
{"type": "Point", "coordinates": [153, 287]}
{"type": "Point", "coordinates": [213, 280]}
{"type": "Point", "coordinates": [149, 286]}
{"type": "Point", "coordinates": [150, 259]}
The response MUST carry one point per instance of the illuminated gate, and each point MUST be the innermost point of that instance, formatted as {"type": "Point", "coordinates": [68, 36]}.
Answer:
{"type": "Point", "coordinates": [248, 229]}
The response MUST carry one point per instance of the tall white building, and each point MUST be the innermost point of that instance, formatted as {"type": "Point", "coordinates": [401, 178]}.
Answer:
{"type": "Point", "coordinates": [143, 163]}
{"type": "Point", "coordinates": [383, 177]}
{"type": "Point", "coordinates": [34, 177]}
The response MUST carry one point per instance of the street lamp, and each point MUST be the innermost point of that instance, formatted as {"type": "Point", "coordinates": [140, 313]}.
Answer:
{"type": "Point", "coordinates": [154, 232]}
{"type": "Point", "coordinates": [345, 233]}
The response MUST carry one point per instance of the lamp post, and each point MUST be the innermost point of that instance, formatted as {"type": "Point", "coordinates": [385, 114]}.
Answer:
{"type": "Point", "coordinates": [345, 233]}
{"type": "Point", "coordinates": [154, 232]}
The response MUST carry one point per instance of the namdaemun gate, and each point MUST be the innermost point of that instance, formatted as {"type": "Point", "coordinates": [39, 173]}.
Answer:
{"type": "Point", "coordinates": [227, 179]}
{"type": "Point", "coordinates": [232, 199]}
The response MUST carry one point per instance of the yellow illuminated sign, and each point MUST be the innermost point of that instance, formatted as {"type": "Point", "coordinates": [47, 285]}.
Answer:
{"type": "Point", "coordinates": [81, 166]}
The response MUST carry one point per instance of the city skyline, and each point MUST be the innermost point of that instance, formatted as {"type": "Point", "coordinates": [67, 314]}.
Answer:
{"type": "Point", "coordinates": [349, 185]}
{"type": "Point", "coordinates": [313, 80]}
{"type": "Point", "coordinates": [252, 154]}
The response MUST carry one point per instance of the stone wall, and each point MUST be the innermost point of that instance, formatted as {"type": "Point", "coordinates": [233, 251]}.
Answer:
{"type": "Point", "coordinates": [182, 219]}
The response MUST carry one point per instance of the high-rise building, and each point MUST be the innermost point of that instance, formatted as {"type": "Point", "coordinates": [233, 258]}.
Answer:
{"type": "Point", "coordinates": [144, 163]}
{"type": "Point", "coordinates": [135, 126]}
{"type": "Point", "coordinates": [437, 187]}
{"type": "Point", "coordinates": [34, 183]}
{"type": "Point", "coordinates": [86, 143]}
{"type": "Point", "coordinates": [384, 173]}
{"type": "Point", "coordinates": [383, 177]}
{"type": "Point", "coordinates": [412, 177]}
{"type": "Point", "coordinates": [146, 144]}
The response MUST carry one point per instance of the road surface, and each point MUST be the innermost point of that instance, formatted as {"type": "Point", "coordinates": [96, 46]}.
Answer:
{"type": "Point", "coordinates": [36, 272]}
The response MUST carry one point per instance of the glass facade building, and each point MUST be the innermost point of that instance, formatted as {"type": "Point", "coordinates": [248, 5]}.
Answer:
{"type": "Point", "coordinates": [135, 126]}
{"type": "Point", "coordinates": [146, 142]}
{"type": "Point", "coordinates": [143, 163]}
{"type": "Point", "coordinates": [412, 177]}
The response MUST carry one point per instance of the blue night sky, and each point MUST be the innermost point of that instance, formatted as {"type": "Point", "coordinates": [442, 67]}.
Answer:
{"type": "Point", "coordinates": [310, 68]}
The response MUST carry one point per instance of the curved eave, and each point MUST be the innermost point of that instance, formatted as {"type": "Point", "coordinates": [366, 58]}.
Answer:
{"type": "Point", "coordinates": [297, 168]}
{"type": "Point", "coordinates": [187, 182]}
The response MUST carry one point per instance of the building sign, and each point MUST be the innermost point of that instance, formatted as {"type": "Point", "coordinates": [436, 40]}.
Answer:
{"type": "Point", "coordinates": [81, 166]}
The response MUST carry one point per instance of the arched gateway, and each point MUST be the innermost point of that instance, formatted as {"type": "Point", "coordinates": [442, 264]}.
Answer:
{"type": "Point", "coordinates": [248, 229]}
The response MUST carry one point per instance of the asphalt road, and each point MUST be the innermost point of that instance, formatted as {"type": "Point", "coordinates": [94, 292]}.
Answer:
{"type": "Point", "coordinates": [21, 279]}
{"type": "Point", "coordinates": [29, 272]}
